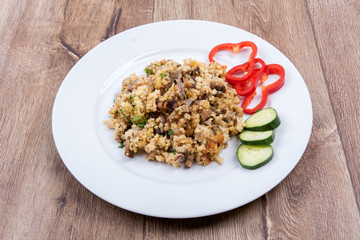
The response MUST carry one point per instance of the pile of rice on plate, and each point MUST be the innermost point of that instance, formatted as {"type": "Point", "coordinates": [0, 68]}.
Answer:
{"type": "Point", "coordinates": [179, 114]}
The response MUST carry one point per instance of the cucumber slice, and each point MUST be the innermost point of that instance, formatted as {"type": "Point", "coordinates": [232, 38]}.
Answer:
{"type": "Point", "coordinates": [253, 157]}
{"type": "Point", "coordinates": [257, 138]}
{"type": "Point", "coordinates": [263, 120]}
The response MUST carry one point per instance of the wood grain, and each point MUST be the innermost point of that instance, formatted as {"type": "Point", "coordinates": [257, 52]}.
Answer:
{"type": "Point", "coordinates": [245, 221]}
{"type": "Point", "coordinates": [337, 40]}
{"type": "Point", "coordinates": [298, 197]}
{"type": "Point", "coordinates": [39, 197]}
{"type": "Point", "coordinates": [40, 42]}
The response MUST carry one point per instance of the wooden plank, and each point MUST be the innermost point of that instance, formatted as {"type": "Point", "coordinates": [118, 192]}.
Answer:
{"type": "Point", "coordinates": [39, 199]}
{"type": "Point", "coordinates": [169, 10]}
{"type": "Point", "coordinates": [316, 200]}
{"type": "Point", "coordinates": [245, 222]}
{"type": "Point", "coordinates": [337, 35]}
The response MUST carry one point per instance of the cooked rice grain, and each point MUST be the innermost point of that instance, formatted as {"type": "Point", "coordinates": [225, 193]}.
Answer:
{"type": "Point", "coordinates": [178, 114]}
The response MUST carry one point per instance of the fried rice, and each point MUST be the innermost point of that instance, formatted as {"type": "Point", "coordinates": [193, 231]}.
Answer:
{"type": "Point", "coordinates": [178, 114]}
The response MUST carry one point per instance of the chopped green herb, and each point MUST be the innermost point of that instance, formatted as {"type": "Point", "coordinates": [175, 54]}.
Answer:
{"type": "Point", "coordinates": [170, 132]}
{"type": "Point", "coordinates": [132, 98]}
{"type": "Point", "coordinates": [171, 150]}
{"type": "Point", "coordinates": [121, 145]}
{"type": "Point", "coordinates": [122, 113]}
{"type": "Point", "coordinates": [162, 75]}
{"type": "Point", "coordinates": [140, 121]}
{"type": "Point", "coordinates": [148, 71]}
{"type": "Point", "coordinates": [114, 100]}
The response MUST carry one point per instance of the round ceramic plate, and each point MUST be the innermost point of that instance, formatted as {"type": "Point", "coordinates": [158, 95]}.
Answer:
{"type": "Point", "coordinates": [91, 154]}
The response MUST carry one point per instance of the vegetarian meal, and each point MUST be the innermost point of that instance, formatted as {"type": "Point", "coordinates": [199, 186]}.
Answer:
{"type": "Point", "coordinates": [181, 114]}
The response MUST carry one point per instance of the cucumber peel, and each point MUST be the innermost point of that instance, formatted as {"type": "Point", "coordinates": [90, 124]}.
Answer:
{"type": "Point", "coordinates": [257, 137]}
{"type": "Point", "coordinates": [253, 157]}
{"type": "Point", "coordinates": [263, 120]}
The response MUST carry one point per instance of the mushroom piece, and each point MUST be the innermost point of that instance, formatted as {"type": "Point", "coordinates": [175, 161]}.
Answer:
{"type": "Point", "coordinates": [235, 122]}
{"type": "Point", "coordinates": [189, 160]}
{"type": "Point", "coordinates": [205, 114]}
{"type": "Point", "coordinates": [203, 94]}
{"type": "Point", "coordinates": [130, 88]}
{"type": "Point", "coordinates": [179, 158]}
{"type": "Point", "coordinates": [154, 114]}
{"type": "Point", "coordinates": [128, 152]}
{"type": "Point", "coordinates": [167, 105]}
{"type": "Point", "coordinates": [181, 86]}
{"type": "Point", "coordinates": [218, 86]}
{"type": "Point", "coordinates": [195, 73]}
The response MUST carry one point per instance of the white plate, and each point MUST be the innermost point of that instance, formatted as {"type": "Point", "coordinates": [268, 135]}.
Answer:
{"type": "Point", "coordinates": [90, 153]}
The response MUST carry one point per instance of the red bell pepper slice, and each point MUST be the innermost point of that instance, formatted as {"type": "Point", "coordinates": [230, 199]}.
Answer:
{"type": "Point", "coordinates": [236, 47]}
{"type": "Point", "coordinates": [278, 70]}
{"type": "Point", "coordinates": [249, 98]}
{"type": "Point", "coordinates": [266, 90]}
{"type": "Point", "coordinates": [237, 69]}
{"type": "Point", "coordinates": [244, 89]}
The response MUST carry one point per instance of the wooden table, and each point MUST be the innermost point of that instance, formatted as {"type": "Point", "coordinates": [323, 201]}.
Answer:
{"type": "Point", "coordinates": [40, 41]}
